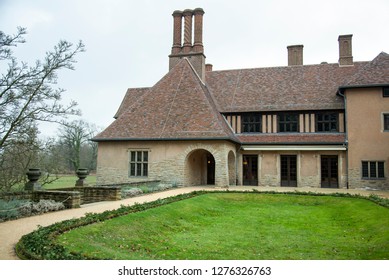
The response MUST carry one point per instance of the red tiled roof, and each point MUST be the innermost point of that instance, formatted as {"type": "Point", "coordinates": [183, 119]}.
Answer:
{"type": "Point", "coordinates": [305, 87]}
{"type": "Point", "coordinates": [181, 107]}
{"type": "Point", "coordinates": [374, 73]}
{"type": "Point", "coordinates": [177, 107]}
{"type": "Point", "coordinates": [132, 95]}
{"type": "Point", "coordinates": [292, 138]}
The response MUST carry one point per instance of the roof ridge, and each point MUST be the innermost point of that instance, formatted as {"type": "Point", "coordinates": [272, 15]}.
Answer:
{"type": "Point", "coordinates": [285, 66]}
{"type": "Point", "coordinates": [225, 128]}
{"type": "Point", "coordinates": [171, 106]}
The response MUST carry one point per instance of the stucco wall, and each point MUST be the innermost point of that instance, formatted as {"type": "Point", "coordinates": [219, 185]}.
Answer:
{"type": "Point", "coordinates": [366, 139]}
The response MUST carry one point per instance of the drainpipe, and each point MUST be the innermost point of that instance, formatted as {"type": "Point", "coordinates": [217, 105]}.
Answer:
{"type": "Point", "coordinates": [346, 131]}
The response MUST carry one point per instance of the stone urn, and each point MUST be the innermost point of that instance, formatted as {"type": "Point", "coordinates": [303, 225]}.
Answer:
{"type": "Point", "coordinates": [82, 173]}
{"type": "Point", "coordinates": [33, 175]}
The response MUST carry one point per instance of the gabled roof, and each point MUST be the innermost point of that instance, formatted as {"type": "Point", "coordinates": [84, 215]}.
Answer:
{"type": "Point", "coordinates": [305, 87]}
{"type": "Point", "coordinates": [178, 107]}
{"type": "Point", "coordinates": [374, 73]}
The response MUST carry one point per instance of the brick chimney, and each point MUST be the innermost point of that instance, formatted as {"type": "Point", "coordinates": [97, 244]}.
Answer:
{"type": "Point", "coordinates": [345, 50]}
{"type": "Point", "coordinates": [208, 67]}
{"type": "Point", "coordinates": [191, 48]}
{"type": "Point", "coordinates": [295, 55]}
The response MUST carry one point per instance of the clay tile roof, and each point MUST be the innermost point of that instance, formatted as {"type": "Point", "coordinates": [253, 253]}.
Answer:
{"type": "Point", "coordinates": [305, 87]}
{"type": "Point", "coordinates": [374, 73]}
{"type": "Point", "coordinates": [179, 106]}
{"type": "Point", "coordinates": [131, 95]}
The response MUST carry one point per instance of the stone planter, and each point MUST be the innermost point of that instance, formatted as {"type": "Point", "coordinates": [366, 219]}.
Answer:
{"type": "Point", "coordinates": [33, 175]}
{"type": "Point", "coordinates": [82, 173]}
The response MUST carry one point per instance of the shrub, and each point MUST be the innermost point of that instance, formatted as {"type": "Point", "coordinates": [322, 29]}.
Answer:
{"type": "Point", "coordinates": [10, 209]}
{"type": "Point", "coordinates": [131, 192]}
{"type": "Point", "coordinates": [162, 187]}
{"type": "Point", "coordinates": [15, 209]}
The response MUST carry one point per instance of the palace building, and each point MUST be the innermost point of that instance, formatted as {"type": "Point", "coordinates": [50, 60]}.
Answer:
{"type": "Point", "coordinates": [324, 125]}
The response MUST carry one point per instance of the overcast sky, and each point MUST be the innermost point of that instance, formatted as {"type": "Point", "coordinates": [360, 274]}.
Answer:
{"type": "Point", "coordinates": [128, 42]}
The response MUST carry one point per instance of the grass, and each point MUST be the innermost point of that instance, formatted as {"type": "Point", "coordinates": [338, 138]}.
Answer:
{"type": "Point", "coordinates": [241, 226]}
{"type": "Point", "coordinates": [68, 181]}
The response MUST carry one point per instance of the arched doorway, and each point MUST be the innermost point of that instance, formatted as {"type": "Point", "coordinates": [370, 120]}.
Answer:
{"type": "Point", "coordinates": [200, 168]}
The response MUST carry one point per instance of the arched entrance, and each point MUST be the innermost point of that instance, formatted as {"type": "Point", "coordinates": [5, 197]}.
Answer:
{"type": "Point", "coordinates": [200, 168]}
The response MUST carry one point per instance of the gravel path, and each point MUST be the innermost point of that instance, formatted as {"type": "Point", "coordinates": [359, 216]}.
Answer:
{"type": "Point", "coordinates": [12, 231]}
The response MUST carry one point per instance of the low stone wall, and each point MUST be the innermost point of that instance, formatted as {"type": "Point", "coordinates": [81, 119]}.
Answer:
{"type": "Point", "coordinates": [16, 195]}
{"type": "Point", "coordinates": [70, 199]}
{"type": "Point", "coordinates": [96, 193]}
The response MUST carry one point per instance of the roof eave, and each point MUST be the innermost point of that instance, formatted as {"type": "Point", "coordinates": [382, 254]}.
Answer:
{"type": "Point", "coordinates": [164, 139]}
{"type": "Point", "coordinates": [363, 86]}
{"type": "Point", "coordinates": [292, 143]}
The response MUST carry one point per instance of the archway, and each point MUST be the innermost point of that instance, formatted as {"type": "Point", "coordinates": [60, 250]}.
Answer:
{"type": "Point", "coordinates": [200, 168]}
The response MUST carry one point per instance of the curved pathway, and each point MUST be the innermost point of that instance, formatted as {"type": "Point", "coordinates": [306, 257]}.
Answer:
{"type": "Point", "coordinates": [12, 231]}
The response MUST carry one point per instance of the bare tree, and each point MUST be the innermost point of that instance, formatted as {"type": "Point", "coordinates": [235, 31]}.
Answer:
{"type": "Point", "coordinates": [74, 136]}
{"type": "Point", "coordinates": [28, 95]}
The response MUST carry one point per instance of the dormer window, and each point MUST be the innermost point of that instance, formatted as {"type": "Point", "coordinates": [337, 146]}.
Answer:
{"type": "Point", "coordinates": [251, 123]}
{"type": "Point", "coordinates": [288, 122]}
{"type": "Point", "coordinates": [327, 122]}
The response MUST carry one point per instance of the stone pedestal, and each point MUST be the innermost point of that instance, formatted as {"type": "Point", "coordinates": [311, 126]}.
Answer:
{"type": "Point", "coordinates": [82, 173]}
{"type": "Point", "coordinates": [33, 175]}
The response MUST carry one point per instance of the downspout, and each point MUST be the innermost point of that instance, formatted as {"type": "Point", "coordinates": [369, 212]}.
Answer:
{"type": "Point", "coordinates": [346, 132]}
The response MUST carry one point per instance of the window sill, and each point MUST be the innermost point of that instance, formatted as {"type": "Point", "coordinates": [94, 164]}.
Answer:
{"type": "Point", "coordinates": [373, 179]}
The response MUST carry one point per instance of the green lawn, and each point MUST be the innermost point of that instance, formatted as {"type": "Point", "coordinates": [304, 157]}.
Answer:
{"type": "Point", "coordinates": [68, 181]}
{"type": "Point", "coordinates": [242, 226]}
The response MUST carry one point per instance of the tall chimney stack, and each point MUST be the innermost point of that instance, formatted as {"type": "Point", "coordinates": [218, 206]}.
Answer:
{"type": "Point", "coordinates": [191, 48]}
{"type": "Point", "coordinates": [188, 31]}
{"type": "Point", "coordinates": [177, 32]}
{"type": "Point", "coordinates": [295, 55]}
{"type": "Point", "coordinates": [345, 50]}
{"type": "Point", "coordinates": [198, 30]}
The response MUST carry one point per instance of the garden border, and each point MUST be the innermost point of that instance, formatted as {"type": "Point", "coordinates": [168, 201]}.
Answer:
{"type": "Point", "coordinates": [40, 244]}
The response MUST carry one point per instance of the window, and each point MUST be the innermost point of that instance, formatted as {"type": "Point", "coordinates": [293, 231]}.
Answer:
{"type": "Point", "coordinates": [327, 122]}
{"type": "Point", "coordinates": [385, 92]}
{"type": "Point", "coordinates": [386, 122]}
{"type": "Point", "coordinates": [139, 163]}
{"type": "Point", "coordinates": [288, 122]}
{"type": "Point", "coordinates": [373, 170]}
{"type": "Point", "coordinates": [251, 123]}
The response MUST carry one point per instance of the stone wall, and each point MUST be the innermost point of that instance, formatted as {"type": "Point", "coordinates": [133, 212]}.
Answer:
{"type": "Point", "coordinates": [168, 161]}
{"type": "Point", "coordinates": [27, 195]}
{"type": "Point", "coordinates": [71, 199]}
{"type": "Point", "coordinates": [97, 193]}
{"type": "Point", "coordinates": [356, 181]}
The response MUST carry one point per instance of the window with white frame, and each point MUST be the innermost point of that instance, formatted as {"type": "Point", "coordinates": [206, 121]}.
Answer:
{"type": "Point", "coordinates": [139, 164]}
